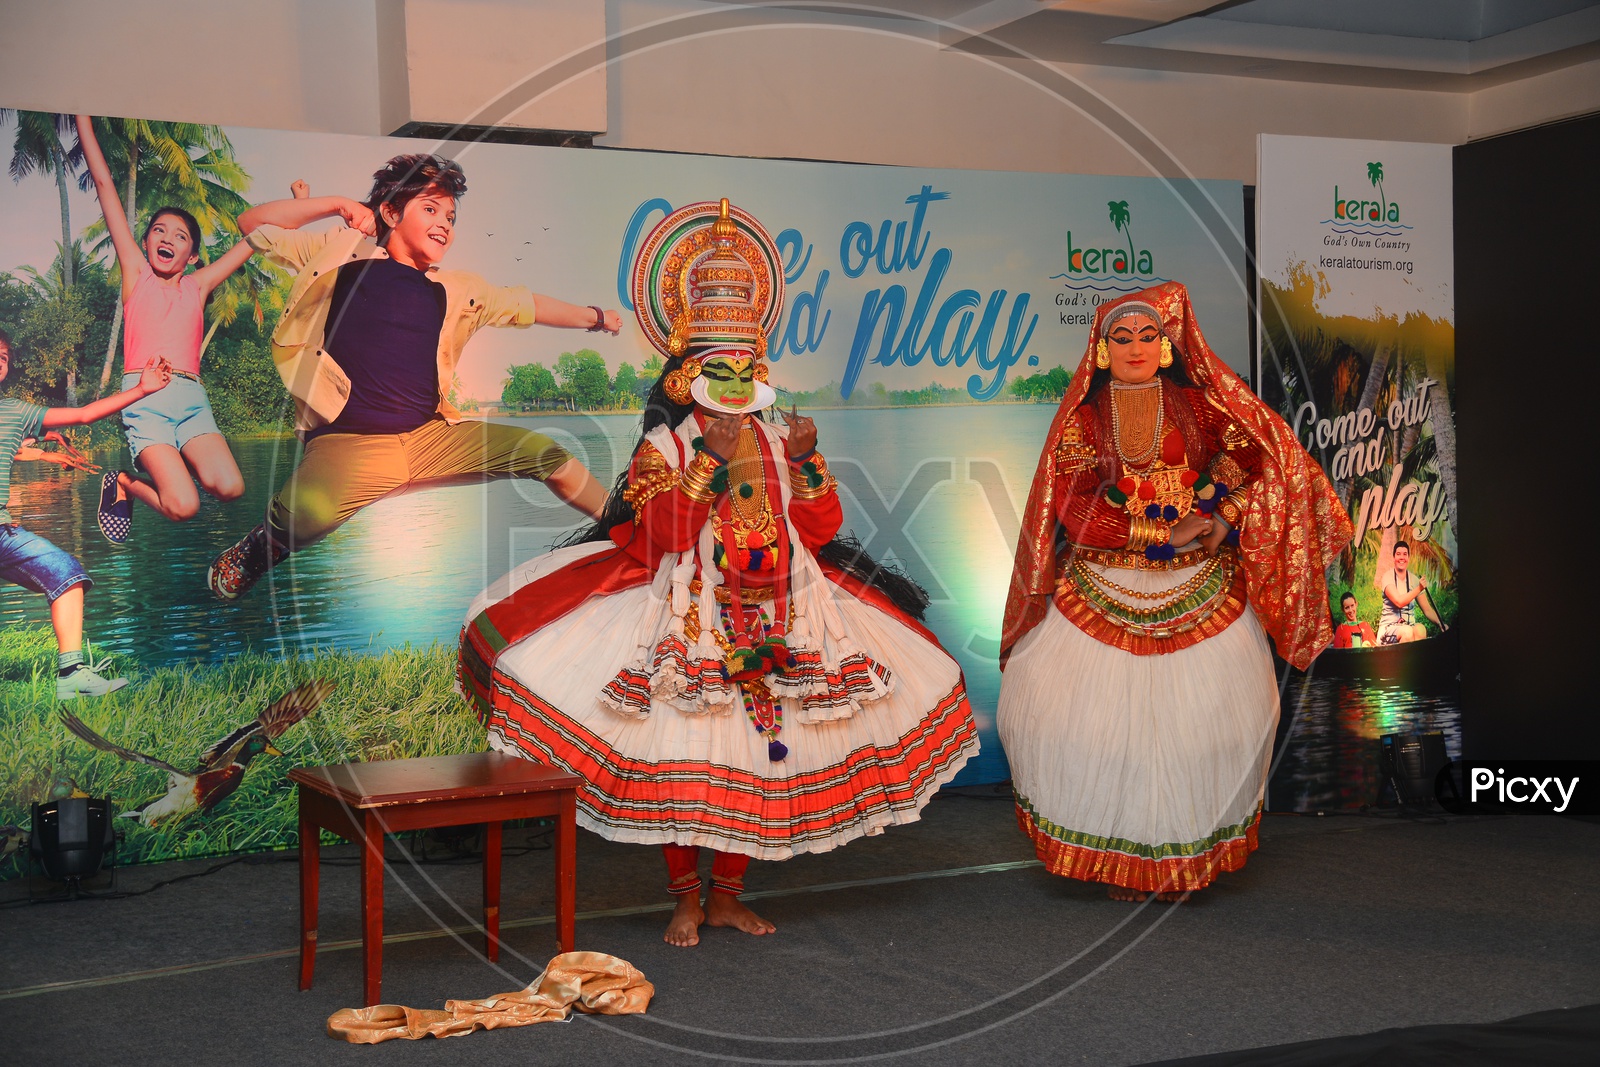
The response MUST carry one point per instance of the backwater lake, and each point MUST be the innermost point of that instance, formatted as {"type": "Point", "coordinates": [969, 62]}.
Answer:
{"type": "Point", "coordinates": [938, 489]}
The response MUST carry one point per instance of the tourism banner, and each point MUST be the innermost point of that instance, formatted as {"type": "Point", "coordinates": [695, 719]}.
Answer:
{"type": "Point", "coordinates": [1357, 351]}
{"type": "Point", "coordinates": [931, 322]}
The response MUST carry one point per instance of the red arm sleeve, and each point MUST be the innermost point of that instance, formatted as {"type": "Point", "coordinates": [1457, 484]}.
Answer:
{"type": "Point", "coordinates": [1235, 459]}
{"type": "Point", "coordinates": [665, 517]}
{"type": "Point", "coordinates": [816, 518]}
{"type": "Point", "coordinates": [1087, 516]}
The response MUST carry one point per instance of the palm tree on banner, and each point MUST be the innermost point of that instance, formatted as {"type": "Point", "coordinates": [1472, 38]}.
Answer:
{"type": "Point", "coordinates": [182, 164]}
{"type": "Point", "coordinates": [258, 287]}
{"type": "Point", "coordinates": [56, 359]}
{"type": "Point", "coordinates": [38, 146]}
{"type": "Point", "coordinates": [1122, 219]}
{"type": "Point", "coordinates": [1375, 177]}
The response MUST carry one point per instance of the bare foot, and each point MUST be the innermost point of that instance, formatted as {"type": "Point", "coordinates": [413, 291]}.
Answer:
{"type": "Point", "coordinates": [1172, 898]}
{"type": "Point", "coordinates": [1118, 892]}
{"type": "Point", "coordinates": [724, 909]}
{"type": "Point", "coordinates": [683, 929]}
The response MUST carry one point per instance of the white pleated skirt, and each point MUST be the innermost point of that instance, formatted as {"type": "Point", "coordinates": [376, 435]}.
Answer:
{"type": "Point", "coordinates": [706, 778]}
{"type": "Point", "coordinates": [1146, 771]}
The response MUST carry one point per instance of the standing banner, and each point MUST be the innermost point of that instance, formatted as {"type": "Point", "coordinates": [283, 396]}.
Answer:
{"type": "Point", "coordinates": [932, 319]}
{"type": "Point", "coordinates": [1357, 350]}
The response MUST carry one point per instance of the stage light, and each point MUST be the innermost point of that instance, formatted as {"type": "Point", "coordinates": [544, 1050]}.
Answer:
{"type": "Point", "coordinates": [1410, 763]}
{"type": "Point", "coordinates": [70, 838]}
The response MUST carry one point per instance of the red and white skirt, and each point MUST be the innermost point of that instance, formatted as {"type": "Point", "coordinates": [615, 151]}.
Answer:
{"type": "Point", "coordinates": [671, 776]}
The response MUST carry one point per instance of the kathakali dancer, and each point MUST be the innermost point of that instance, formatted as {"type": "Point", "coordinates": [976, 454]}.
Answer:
{"type": "Point", "coordinates": [720, 669]}
{"type": "Point", "coordinates": [1173, 525]}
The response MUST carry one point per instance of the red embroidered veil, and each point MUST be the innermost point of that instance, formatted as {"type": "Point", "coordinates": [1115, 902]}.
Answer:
{"type": "Point", "coordinates": [1294, 526]}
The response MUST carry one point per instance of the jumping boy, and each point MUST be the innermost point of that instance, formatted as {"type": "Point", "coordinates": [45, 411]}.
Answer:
{"type": "Point", "coordinates": [33, 562]}
{"type": "Point", "coordinates": [368, 345]}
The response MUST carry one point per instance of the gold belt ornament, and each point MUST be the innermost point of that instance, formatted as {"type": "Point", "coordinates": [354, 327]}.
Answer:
{"type": "Point", "coordinates": [750, 594]}
{"type": "Point", "coordinates": [1116, 557]}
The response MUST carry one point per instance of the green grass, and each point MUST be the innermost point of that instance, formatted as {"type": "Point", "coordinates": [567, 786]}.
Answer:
{"type": "Point", "coordinates": [392, 705]}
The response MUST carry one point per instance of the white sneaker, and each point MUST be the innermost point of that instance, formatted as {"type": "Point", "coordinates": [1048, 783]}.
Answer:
{"type": "Point", "coordinates": [84, 682]}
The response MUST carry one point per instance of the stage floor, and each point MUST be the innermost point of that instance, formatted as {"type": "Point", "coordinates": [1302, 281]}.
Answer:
{"type": "Point", "coordinates": [938, 943]}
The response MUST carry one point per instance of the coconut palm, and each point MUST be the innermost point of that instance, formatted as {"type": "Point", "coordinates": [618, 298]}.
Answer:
{"type": "Point", "coordinates": [1375, 177]}
{"type": "Point", "coordinates": [258, 287]}
{"type": "Point", "coordinates": [38, 146]}
{"type": "Point", "coordinates": [182, 164]}
{"type": "Point", "coordinates": [1122, 219]}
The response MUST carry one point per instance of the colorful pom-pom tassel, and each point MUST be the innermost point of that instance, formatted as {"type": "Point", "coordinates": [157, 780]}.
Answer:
{"type": "Point", "coordinates": [1127, 486]}
{"type": "Point", "coordinates": [1147, 490]}
{"type": "Point", "coordinates": [776, 750]}
{"type": "Point", "coordinates": [1169, 513]}
{"type": "Point", "coordinates": [1152, 511]}
{"type": "Point", "coordinates": [1188, 478]}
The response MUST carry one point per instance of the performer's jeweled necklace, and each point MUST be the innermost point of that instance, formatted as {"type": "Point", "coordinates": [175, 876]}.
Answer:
{"type": "Point", "coordinates": [1137, 416]}
{"type": "Point", "coordinates": [747, 482]}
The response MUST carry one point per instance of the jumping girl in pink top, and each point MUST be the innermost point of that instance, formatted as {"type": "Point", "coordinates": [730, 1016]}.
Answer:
{"type": "Point", "coordinates": [171, 434]}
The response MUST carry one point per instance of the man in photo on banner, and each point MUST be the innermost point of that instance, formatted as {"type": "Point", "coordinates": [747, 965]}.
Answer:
{"type": "Point", "coordinates": [368, 346]}
{"type": "Point", "coordinates": [1403, 592]}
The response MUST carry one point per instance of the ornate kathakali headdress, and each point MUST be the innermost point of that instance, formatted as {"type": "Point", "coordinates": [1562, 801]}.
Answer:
{"type": "Point", "coordinates": [1295, 524]}
{"type": "Point", "coordinates": [708, 279]}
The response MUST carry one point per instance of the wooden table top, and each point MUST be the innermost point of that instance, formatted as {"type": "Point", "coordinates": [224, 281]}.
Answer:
{"type": "Point", "coordinates": [472, 775]}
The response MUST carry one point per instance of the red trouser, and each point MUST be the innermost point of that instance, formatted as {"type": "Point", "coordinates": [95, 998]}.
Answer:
{"type": "Point", "coordinates": [683, 870]}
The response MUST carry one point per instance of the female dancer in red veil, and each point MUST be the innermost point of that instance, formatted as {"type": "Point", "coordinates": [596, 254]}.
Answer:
{"type": "Point", "coordinates": [1174, 525]}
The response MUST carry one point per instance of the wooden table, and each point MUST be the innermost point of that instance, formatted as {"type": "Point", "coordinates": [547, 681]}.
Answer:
{"type": "Point", "coordinates": [364, 801]}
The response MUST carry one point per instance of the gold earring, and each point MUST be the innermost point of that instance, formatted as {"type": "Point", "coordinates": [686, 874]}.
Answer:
{"type": "Point", "coordinates": [1102, 354]}
{"type": "Point", "coordinates": [1166, 353]}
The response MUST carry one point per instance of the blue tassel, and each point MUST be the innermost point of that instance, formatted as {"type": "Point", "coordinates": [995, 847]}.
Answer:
{"type": "Point", "coordinates": [1169, 513]}
{"type": "Point", "coordinates": [776, 750]}
{"type": "Point", "coordinates": [1152, 511]}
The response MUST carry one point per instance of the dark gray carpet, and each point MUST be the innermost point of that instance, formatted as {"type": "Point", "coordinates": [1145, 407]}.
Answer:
{"type": "Point", "coordinates": [1339, 926]}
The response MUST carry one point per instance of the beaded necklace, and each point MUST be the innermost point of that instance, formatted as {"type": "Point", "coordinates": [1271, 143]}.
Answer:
{"type": "Point", "coordinates": [1143, 420]}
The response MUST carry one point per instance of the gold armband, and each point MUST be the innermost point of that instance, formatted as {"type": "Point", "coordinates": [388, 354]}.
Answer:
{"type": "Point", "coordinates": [1226, 469]}
{"type": "Point", "coordinates": [813, 483]}
{"type": "Point", "coordinates": [1073, 453]}
{"type": "Point", "coordinates": [647, 485]}
{"type": "Point", "coordinates": [696, 479]}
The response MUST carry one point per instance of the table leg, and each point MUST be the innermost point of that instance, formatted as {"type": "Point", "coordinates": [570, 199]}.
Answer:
{"type": "Point", "coordinates": [310, 857]}
{"type": "Point", "coordinates": [567, 869]}
{"type": "Point", "coordinates": [492, 832]}
{"type": "Point", "coordinates": [371, 906]}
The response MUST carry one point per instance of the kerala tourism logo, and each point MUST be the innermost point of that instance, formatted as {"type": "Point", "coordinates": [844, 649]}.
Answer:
{"type": "Point", "coordinates": [1106, 267]}
{"type": "Point", "coordinates": [1358, 212]}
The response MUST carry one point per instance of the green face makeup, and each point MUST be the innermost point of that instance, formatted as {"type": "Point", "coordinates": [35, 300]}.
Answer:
{"type": "Point", "coordinates": [730, 381]}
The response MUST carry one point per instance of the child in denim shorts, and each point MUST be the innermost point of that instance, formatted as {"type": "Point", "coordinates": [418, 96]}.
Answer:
{"type": "Point", "coordinates": [32, 562]}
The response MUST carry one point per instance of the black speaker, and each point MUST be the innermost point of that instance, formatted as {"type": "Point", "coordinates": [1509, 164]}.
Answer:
{"type": "Point", "coordinates": [1410, 763]}
{"type": "Point", "coordinates": [70, 837]}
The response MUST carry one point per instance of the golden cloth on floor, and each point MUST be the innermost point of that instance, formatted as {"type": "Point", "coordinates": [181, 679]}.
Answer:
{"type": "Point", "coordinates": [592, 982]}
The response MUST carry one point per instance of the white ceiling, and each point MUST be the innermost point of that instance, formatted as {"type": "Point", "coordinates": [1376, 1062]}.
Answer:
{"type": "Point", "coordinates": [1449, 45]}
